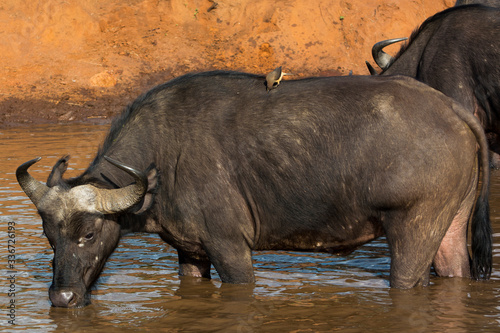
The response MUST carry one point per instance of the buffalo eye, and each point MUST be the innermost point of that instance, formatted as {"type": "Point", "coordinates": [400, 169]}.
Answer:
{"type": "Point", "coordinates": [89, 236]}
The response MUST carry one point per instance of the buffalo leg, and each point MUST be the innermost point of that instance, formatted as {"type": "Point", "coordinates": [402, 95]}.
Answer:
{"type": "Point", "coordinates": [233, 262]}
{"type": "Point", "coordinates": [229, 248]}
{"type": "Point", "coordinates": [408, 272]}
{"type": "Point", "coordinates": [191, 266]}
{"type": "Point", "coordinates": [413, 243]}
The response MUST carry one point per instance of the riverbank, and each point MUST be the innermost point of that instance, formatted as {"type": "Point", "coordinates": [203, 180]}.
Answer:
{"type": "Point", "coordinates": [76, 61]}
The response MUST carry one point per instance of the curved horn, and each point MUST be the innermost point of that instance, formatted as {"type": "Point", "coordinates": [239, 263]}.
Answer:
{"type": "Point", "coordinates": [381, 58]}
{"type": "Point", "coordinates": [114, 201]}
{"type": "Point", "coordinates": [34, 189]}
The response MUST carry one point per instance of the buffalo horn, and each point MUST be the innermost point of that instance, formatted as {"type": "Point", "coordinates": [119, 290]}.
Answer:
{"type": "Point", "coordinates": [34, 189]}
{"type": "Point", "coordinates": [114, 201]}
{"type": "Point", "coordinates": [381, 58]}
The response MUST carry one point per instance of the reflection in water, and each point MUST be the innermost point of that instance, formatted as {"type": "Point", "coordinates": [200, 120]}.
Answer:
{"type": "Point", "coordinates": [140, 289]}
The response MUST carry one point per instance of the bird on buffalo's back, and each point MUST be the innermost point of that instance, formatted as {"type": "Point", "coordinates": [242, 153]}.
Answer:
{"type": "Point", "coordinates": [274, 78]}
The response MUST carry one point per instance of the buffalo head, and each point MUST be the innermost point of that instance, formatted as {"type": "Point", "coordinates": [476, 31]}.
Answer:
{"type": "Point", "coordinates": [81, 225]}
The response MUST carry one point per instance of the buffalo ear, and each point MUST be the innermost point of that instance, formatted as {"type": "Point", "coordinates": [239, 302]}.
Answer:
{"type": "Point", "coordinates": [153, 182]}
{"type": "Point", "coordinates": [55, 177]}
{"type": "Point", "coordinates": [372, 70]}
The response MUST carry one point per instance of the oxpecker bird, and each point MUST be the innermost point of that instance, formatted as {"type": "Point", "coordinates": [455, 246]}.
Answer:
{"type": "Point", "coordinates": [273, 79]}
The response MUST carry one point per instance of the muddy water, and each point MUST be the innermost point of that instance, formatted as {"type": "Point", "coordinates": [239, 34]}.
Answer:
{"type": "Point", "coordinates": [140, 290]}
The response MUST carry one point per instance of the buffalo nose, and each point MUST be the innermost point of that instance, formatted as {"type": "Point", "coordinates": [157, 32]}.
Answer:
{"type": "Point", "coordinates": [61, 298]}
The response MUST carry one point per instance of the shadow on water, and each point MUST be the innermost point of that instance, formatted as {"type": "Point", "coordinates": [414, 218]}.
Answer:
{"type": "Point", "coordinates": [294, 292]}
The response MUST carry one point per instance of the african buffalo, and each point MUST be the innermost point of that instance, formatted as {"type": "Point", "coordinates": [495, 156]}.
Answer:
{"type": "Point", "coordinates": [457, 52]}
{"type": "Point", "coordinates": [219, 167]}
